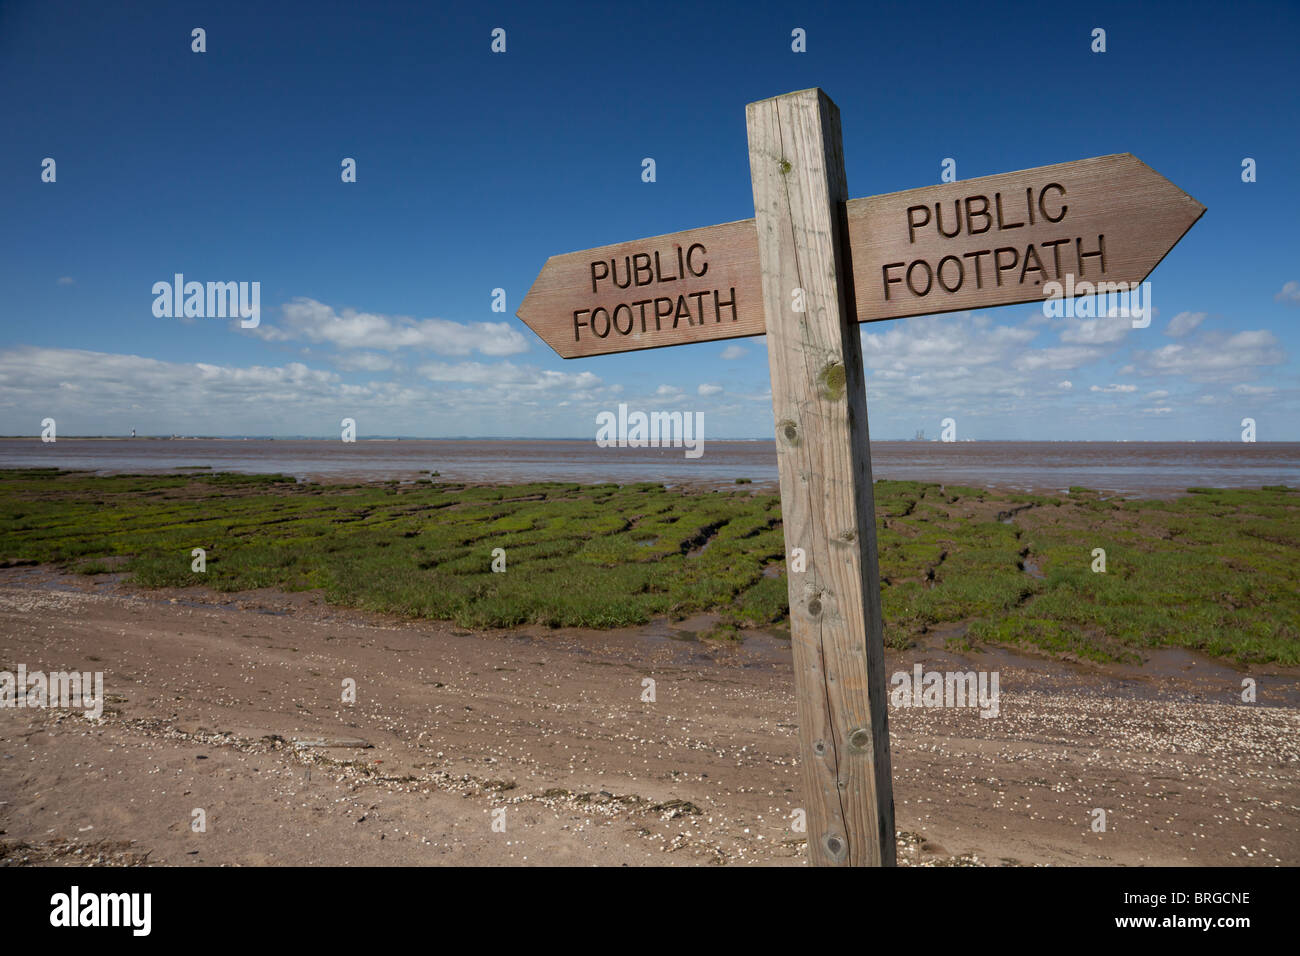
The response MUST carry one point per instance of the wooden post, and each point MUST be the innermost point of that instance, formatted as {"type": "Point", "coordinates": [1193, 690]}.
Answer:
{"type": "Point", "coordinates": [819, 400]}
{"type": "Point", "coordinates": [796, 257]}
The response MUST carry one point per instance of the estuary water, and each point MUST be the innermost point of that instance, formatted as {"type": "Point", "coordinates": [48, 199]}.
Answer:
{"type": "Point", "coordinates": [1139, 469]}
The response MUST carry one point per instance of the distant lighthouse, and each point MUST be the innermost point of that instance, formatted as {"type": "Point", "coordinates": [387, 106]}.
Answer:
{"type": "Point", "coordinates": [132, 432]}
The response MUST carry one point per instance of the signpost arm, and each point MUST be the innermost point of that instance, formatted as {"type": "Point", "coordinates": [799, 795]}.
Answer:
{"type": "Point", "coordinates": [819, 401]}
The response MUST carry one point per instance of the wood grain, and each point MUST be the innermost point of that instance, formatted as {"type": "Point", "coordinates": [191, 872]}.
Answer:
{"type": "Point", "coordinates": [1116, 200]}
{"type": "Point", "coordinates": [565, 287]}
{"type": "Point", "coordinates": [823, 454]}
{"type": "Point", "coordinates": [1140, 215]}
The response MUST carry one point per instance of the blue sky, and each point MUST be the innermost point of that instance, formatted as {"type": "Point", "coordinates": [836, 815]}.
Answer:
{"type": "Point", "coordinates": [474, 167]}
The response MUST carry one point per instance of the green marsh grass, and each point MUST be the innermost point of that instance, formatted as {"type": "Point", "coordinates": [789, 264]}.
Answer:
{"type": "Point", "coordinates": [1213, 571]}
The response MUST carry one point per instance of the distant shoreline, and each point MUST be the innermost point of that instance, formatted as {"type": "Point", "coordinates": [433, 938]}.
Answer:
{"type": "Point", "coordinates": [589, 439]}
{"type": "Point", "coordinates": [1128, 469]}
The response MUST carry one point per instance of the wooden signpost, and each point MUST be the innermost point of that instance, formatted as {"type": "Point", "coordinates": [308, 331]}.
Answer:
{"type": "Point", "coordinates": [805, 271]}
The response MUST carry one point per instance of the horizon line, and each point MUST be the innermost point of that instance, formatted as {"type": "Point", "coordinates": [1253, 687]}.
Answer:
{"type": "Point", "coordinates": [587, 438]}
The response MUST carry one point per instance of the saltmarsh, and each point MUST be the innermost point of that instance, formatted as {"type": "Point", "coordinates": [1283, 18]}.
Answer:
{"type": "Point", "coordinates": [1213, 570]}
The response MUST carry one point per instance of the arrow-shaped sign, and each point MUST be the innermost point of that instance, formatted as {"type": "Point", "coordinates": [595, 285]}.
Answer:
{"type": "Point", "coordinates": [998, 240]}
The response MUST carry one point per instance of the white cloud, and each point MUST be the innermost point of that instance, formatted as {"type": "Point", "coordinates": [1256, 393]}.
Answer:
{"type": "Point", "coordinates": [667, 391]}
{"type": "Point", "coordinates": [928, 365]}
{"type": "Point", "coordinates": [1290, 293]}
{"type": "Point", "coordinates": [707, 390]}
{"type": "Point", "coordinates": [1058, 359]}
{"type": "Point", "coordinates": [1183, 322]}
{"type": "Point", "coordinates": [1215, 356]}
{"type": "Point", "coordinates": [364, 362]}
{"type": "Point", "coordinates": [67, 280]}
{"type": "Point", "coordinates": [102, 393]}
{"type": "Point", "coordinates": [951, 341]}
{"type": "Point", "coordinates": [1254, 389]}
{"type": "Point", "coordinates": [733, 352]}
{"type": "Point", "coordinates": [82, 382]}
{"type": "Point", "coordinates": [316, 322]}
{"type": "Point", "coordinates": [508, 374]}
{"type": "Point", "coordinates": [1114, 388]}
{"type": "Point", "coordinates": [1106, 330]}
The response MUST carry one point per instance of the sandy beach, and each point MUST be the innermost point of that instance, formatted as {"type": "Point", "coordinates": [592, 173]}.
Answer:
{"type": "Point", "coordinates": [231, 704]}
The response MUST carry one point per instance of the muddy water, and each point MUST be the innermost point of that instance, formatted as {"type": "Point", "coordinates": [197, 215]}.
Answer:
{"type": "Point", "coordinates": [1140, 469]}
